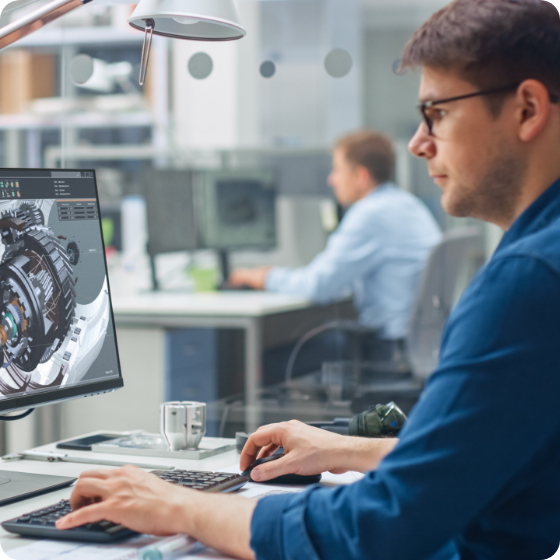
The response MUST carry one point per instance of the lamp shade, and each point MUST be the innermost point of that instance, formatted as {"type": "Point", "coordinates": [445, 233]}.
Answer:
{"type": "Point", "coordinates": [200, 20]}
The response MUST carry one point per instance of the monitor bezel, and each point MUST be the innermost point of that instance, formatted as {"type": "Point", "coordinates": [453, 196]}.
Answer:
{"type": "Point", "coordinates": [35, 399]}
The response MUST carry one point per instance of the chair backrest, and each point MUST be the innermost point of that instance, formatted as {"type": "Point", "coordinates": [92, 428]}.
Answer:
{"type": "Point", "coordinates": [450, 268]}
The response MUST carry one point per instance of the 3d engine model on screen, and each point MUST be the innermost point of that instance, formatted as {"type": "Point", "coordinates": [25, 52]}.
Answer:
{"type": "Point", "coordinates": [37, 298]}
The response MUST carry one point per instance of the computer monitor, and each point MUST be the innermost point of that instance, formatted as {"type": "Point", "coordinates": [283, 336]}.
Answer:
{"type": "Point", "coordinates": [170, 210]}
{"type": "Point", "coordinates": [171, 214]}
{"type": "Point", "coordinates": [225, 210]}
{"type": "Point", "coordinates": [57, 332]}
{"type": "Point", "coordinates": [238, 209]}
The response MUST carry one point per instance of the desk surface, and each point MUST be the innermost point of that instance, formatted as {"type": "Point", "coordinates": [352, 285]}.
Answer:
{"type": "Point", "coordinates": [211, 304]}
{"type": "Point", "coordinates": [9, 541]}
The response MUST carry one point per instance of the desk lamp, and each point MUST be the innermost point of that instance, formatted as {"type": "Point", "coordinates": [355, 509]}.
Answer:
{"type": "Point", "coordinates": [198, 20]}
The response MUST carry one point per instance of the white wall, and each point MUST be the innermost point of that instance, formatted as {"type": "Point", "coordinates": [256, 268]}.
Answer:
{"type": "Point", "coordinates": [301, 105]}
{"type": "Point", "coordinates": [219, 111]}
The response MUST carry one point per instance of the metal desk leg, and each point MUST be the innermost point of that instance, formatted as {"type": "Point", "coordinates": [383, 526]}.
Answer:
{"type": "Point", "coordinates": [253, 372]}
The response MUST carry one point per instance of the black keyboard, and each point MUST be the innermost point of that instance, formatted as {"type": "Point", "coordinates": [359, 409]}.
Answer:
{"type": "Point", "coordinates": [41, 523]}
{"type": "Point", "coordinates": [204, 480]}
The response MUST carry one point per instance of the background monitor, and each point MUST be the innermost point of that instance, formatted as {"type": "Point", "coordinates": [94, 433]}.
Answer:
{"type": "Point", "coordinates": [57, 332]}
{"type": "Point", "coordinates": [224, 210]}
{"type": "Point", "coordinates": [237, 209]}
{"type": "Point", "coordinates": [170, 211]}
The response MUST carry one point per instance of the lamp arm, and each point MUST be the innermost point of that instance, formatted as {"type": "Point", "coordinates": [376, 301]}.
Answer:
{"type": "Point", "coordinates": [35, 20]}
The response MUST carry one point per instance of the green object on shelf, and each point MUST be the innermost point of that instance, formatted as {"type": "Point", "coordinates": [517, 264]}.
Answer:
{"type": "Point", "coordinates": [108, 227]}
{"type": "Point", "coordinates": [204, 279]}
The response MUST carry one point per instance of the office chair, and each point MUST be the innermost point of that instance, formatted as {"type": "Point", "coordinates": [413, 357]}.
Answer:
{"type": "Point", "coordinates": [450, 267]}
{"type": "Point", "coordinates": [449, 270]}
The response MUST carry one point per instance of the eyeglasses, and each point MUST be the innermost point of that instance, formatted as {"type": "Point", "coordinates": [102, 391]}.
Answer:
{"type": "Point", "coordinates": [425, 108]}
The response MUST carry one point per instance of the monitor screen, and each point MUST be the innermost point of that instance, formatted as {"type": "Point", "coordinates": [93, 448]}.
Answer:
{"type": "Point", "coordinates": [57, 333]}
{"type": "Point", "coordinates": [170, 210]}
{"type": "Point", "coordinates": [238, 209]}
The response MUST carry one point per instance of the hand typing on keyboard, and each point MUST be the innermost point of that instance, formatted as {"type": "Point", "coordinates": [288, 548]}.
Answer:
{"type": "Point", "coordinates": [127, 496]}
{"type": "Point", "coordinates": [146, 503]}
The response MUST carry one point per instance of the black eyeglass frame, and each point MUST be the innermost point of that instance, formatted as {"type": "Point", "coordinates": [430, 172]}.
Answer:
{"type": "Point", "coordinates": [429, 123]}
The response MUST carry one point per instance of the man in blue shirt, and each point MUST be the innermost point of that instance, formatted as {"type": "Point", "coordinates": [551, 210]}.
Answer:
{"type": "Point", "coordinates": [378, 252]}
{"type": "Point", "coordinates": [475, 474]}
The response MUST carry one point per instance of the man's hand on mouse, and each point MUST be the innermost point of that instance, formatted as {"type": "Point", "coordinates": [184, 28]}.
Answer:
{"type": "Point", "coordinates": [310, 450]}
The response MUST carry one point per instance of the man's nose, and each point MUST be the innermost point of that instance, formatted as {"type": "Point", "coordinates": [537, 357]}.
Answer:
{"type": "Point", "coordinates": [422, 144]}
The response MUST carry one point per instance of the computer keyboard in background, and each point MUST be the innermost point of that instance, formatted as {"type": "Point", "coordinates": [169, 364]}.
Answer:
{"type": "Point", "coordinates": [203, 480]}
{"type": "Point", "coordinates": [41, 523]}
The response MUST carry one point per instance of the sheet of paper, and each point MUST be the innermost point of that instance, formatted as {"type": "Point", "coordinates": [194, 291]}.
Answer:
{"type": "Point", "coordinates": [349, 477]}
{"type": "Point", "coordinates": [328, 479]}
{"type": "Point", "coordinates": [60, 550]}
{"type": "Point", "coordinates": [50, 550]}
{"type": "Point", "coordinates": [53, 550]}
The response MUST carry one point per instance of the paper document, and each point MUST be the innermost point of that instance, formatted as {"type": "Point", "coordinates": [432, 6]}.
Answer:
{"type": "Point", "coordinates": [50, 550]}
{"type": "Point", "coordinates": [56, 550]}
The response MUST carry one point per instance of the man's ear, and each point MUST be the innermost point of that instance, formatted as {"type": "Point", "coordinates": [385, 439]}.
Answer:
{"type": "Point", "coordinates": [364, 177]}
{"type": "Point", "coordinates": [533, 111]}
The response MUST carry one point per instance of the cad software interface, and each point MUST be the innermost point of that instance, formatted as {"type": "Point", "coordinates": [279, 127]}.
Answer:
{"type": "Point", "coordinates": [56, 325]}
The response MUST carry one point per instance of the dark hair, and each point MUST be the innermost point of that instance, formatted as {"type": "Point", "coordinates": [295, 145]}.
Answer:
{"type": "Point", "coordinates": [491, 43]}
{"type": "Point", "coordinates": [372, 150]}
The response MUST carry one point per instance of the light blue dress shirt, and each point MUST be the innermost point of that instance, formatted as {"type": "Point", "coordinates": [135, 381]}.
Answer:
{"type": "Point", "coordinates": [377, 254]}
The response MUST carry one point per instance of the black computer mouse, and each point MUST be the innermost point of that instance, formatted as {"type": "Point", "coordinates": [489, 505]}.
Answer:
{"type": "Point", "coordinates": [285, 478]}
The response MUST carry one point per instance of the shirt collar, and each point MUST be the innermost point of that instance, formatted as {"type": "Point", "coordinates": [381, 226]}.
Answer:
{"type": "Point", "coordinates": [381, 188]}
{"type": "Point", "coordinates": [543, 211]}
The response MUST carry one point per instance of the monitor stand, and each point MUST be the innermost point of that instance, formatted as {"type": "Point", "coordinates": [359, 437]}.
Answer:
{"type": "Point", "coordinates": [153, 271]}
{"type": "Point", "coordinates": [16, 486]}
{"type": "Point", "coordinates": [223, 260]}
{"type": "Point", "coordinates": [224, 285]}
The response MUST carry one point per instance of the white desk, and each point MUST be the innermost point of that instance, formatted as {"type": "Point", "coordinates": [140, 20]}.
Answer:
{"type": "Point", "coordinates": [292, 317]}
{"type": "Point", "coordinates": [209, 304]}
{"type": "Point", "coordinates": [9, 541]}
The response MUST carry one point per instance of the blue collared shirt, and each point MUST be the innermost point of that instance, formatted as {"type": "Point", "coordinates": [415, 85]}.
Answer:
{"type": "Point", "coordinates": [377, 254]}
{"type": "Point", "coordinates": [476, 473]}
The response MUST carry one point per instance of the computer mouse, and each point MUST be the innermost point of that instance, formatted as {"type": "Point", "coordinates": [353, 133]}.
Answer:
{"type": "Point", "coordinates": [285, 478]}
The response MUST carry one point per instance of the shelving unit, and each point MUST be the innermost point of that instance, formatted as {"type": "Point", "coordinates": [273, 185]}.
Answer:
{"type": "Point", "coordinates": [79, 36]}
{"type": "Point", "coordinates": [76, 120]}
{"type": "Point", "coordinates": [23, 130]}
